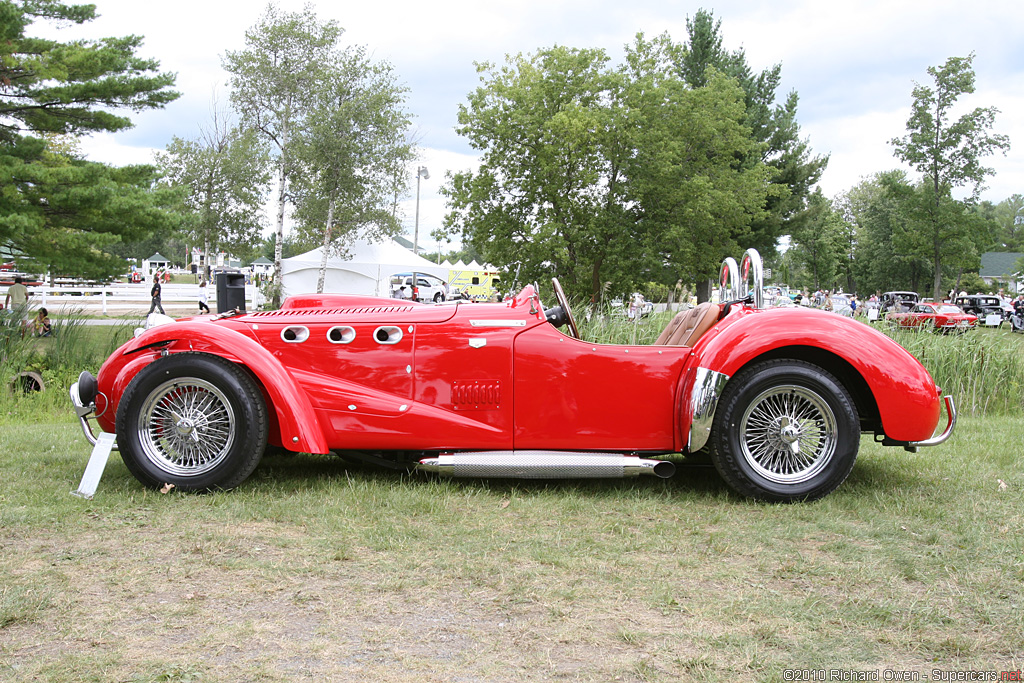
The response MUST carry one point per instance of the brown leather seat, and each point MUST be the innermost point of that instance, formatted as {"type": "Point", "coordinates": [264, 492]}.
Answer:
{"type": "Point", "coordinates": [688, 326]}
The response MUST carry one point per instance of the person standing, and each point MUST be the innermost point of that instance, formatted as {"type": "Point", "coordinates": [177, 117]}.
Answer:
{"type": "Point", "coordinates": [17, 295]}
{"type": "Point", "coordinates": [204, 297]}
{"type": "Point", "coordinates": [155, 293]}
{"type": "Point", "coordinates": [17, 301]}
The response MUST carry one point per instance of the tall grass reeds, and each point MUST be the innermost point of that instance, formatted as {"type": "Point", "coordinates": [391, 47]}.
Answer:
{"type": "Point", "coordinates": [73, 346]}
{"type": "Point", "coordinates": [982, 369]}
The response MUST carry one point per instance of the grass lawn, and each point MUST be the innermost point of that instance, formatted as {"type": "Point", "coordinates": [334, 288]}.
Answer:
{"type": "Point", "coordinates": [316, 570]}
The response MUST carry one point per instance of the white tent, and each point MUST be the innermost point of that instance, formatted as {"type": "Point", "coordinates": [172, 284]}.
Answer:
{"type": "Point", "coordinates": [366, 270]}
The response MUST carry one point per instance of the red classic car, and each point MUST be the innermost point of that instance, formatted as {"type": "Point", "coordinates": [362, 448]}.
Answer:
{"type": "Point", "coordinates": [777, 398]}
{"type": "Point", "coordinates": [935, 316]}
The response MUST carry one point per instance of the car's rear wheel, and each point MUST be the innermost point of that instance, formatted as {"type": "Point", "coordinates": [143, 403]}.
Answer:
{"type": "Point", "coordinates": [785, 430]}
{"type": "Point", "coordinates": [193, 420]}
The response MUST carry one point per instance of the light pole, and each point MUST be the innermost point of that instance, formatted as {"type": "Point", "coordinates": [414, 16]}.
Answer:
{"type": "Point", "coordinates": [421, 172]}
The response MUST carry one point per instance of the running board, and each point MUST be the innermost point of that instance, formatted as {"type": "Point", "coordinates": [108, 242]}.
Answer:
{"type": "Point", "coordinates": [544, 465]}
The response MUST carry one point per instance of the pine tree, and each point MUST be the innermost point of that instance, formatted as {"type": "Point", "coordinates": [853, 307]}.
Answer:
{"type": "Point", "coordinates": [56, 207]}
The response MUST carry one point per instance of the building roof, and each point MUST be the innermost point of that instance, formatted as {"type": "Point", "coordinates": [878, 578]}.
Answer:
{"type": "Point", "coordinates": [158, 257]}
{"type": "Point", "coordinates": [262, 261]}
{"type": "Point", "coordinates": [999, 263]}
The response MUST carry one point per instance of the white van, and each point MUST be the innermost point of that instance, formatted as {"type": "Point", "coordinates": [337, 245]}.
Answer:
{"type": "Point", "coordinates": [427, 287]}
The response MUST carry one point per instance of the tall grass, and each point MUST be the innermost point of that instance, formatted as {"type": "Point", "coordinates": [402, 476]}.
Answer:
{"type": "Point", "coordinates": [610, 326]}
{"type": "Point", "coordinates": [982, 369]}
{"type": "Point", "coordinates": [73, 346]}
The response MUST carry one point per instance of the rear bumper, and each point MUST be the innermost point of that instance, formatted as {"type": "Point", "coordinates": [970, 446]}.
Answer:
{"type": "Point", "coordinates": [950, 425]}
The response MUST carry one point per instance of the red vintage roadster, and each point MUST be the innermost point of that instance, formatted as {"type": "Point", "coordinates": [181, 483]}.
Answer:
{"type": "Point", "coordinates": [777, 398]}
{"type": "Point", "coordinates": [932, 316]}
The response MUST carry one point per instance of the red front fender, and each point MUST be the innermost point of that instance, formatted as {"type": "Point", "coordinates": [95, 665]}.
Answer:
{"type": "Point", "coordinates": [299, 426]}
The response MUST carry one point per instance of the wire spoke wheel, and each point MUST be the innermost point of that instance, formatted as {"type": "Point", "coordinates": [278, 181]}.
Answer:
{"type": "Point", "coordinates": [788, 434]}
{"type": "Point", "coordinates": [186, 426]}
{"type": "Point", "coordinates": [785, 430]}
{"type": "Point", "coordinates": [194, 420]}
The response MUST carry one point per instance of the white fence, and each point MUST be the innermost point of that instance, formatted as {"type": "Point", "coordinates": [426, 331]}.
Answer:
{"type": "Point", "coordinates": [125, 299]}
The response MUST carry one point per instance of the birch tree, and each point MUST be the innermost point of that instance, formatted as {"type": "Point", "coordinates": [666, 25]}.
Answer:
{"type": "Point", "coordinates": [352, 155]}
{"type": "Point", "coordinates": [275, 82]}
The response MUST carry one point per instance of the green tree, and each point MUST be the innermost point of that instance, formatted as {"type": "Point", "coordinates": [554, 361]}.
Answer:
{"type": "Point", "coordinates": [693, 169]}
{"type": "Point", "coordinates": [275, 82]}
{"type": "Point", "coordinates": [548, 194]}
{"type": "Point", "coordinates": [876, 215]}
{"type": "Point", "coordinates": [224, 173]}
{"type": "Point", "coordinates": [773, 127]}
{"type": "Point", "coordinates": [604, 176]}
{"type": "Point", "coordinates": [352, 155]}
{"type": "Point", "coordinates": [1009, 217]}
{"type": "Point", "coordinates": [820, 246]}
{"type": "Point", "coordinates": [948, 153]}
{"type": "Point", "coordinates": [65, 212]}
{"type": "Point", "coordinates": [74, 214]}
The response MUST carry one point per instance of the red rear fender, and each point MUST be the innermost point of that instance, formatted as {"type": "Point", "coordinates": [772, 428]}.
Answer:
{"type": "Point", "coordinates": [905, 395]}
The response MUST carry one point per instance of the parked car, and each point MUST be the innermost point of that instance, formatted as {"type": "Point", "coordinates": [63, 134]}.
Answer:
{"type": "Point", "coordinates": [841, 305]}
{"type": "Point", "coordinates": [935, 316]}
{"type": "Point", "coordinates": [641, 306]}
{"type": "Point", "coordinates": [777, 295]}
{"type": "Point", "coordinates": [982, 305]}
{"type": "Point", "coordinates": [777, 397]}
{"type": "Point", "coordinates": [425, 288]}
{"type": "Point", "coordinates": [897, 301]}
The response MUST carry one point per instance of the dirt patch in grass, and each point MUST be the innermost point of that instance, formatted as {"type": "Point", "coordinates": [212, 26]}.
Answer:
{"type": "Point", "coordinates": [169, 604]}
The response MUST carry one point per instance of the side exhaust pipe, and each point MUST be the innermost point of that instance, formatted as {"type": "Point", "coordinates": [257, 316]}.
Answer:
{"type": "Point", "coordinates": [544, 465]}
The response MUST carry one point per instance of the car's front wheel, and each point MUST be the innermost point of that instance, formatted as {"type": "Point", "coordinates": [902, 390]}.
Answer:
{"type": "Point", "coordinates": [193, 420]}
{"type": "Point", "coordinates": [785, 430]}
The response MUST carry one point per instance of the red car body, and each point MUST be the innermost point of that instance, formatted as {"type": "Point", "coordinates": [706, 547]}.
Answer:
{"type": "Point", "coordinates": [940, 317]}
{"type": "Point", "coordinates": [497, 390]}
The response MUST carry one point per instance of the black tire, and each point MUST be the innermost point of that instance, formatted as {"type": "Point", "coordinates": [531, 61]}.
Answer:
{"type": "Point", "coordinates": [785, 430]}
{"type": "Point", "coordinates": [193, 420]}
{"type": "Point", "coordinates": [438, 298]}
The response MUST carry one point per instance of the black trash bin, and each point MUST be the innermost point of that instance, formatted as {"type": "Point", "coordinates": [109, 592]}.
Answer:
{"type": "Point", "coordinates": [230, 291]}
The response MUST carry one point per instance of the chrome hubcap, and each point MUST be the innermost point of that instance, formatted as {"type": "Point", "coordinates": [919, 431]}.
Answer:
{"type": "Point", "coordinates": [186, 426]}
{"type": "Point", "coordinates": [788, 434]}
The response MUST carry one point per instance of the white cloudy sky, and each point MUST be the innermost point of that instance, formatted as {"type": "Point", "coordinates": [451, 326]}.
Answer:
{"type": "Point", "coordinates": [853, 64]}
